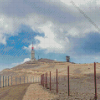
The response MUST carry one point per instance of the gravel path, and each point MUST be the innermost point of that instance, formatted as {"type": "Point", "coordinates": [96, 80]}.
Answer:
{"type": "Point", "coordinates": [36, 92]}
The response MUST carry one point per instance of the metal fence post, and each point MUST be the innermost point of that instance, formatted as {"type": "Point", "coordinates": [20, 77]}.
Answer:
{"type": "Point", "coordinates": [16, 80]}
{"type": "Point", "coordinates": [64, 78]}
{"type": "Point", "coordinates": [0, 81]}
{"type": "Point", "coordinates": [24, 79]}
{"type": "Point", "coordinates": [8, 80]}
{"type": "Point", "coordinates": [95, 83]}
{"type": "Point", "coordinates": [46, 79]}
{"type": "Point", "coordinates": [3, 81]}
{"type": "Point", "coordinates": [68, 83]}
{"type": "Point", "coordinates": [43, 80]}
{"type": "Point", "coordinates": [27, 79]}
{"type": "Point", "coordinates": [50, 80]}
{"type": "Point", "coordinates": [11, 80]}
{"type": "Point", "coordinates": [20, 79]}
{"type": "Point", "coordinates": [57, 80]}
{"type": "Point", "coordinates": [38, 79]}
{"type": "Point", "coordinates": [33, 79]}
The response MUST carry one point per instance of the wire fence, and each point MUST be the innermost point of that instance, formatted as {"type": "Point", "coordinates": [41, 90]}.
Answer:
{"type": "Point", "coordinates": [79, 86]}
{"type": "Point", "coordinates": [15, 80]}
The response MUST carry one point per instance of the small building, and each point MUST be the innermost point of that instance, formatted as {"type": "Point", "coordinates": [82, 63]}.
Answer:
{"type": "Point", "coordinates": [67, 58]}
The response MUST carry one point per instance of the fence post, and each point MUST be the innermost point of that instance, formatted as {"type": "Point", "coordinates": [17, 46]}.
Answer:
{"type": "Point", "coordinates": [33, 79]}
{"type": "Point", "coordinates": [24, 79]}
{"type": "Point", "coordinates": [16, 80]}
{"type": "Point", "coordinates": [43, 80]}
{"type": "Point", "coordinates": [38, 79]}
{"type": "Point", "coordinates": [95, 81]}
{"type": "Point", "coordinates": [64, 78]}
{"type": "Point", "coordinates": [50, 80]}
{"type": "Point", "coordinates": [68, 83]}
{"type": "Point", "coordinates": [20, 79]}
{"type": "Point", "coordinates": [8, 80]}
{"type": "Point", "coordinates": [11, 80]}
{"type": "Point", "coordinates": [0, 81]}
{"type": "Point", "coordinates": [27, 79]}
{"type": "Point", "coordinates": [57, 80]}
{"type": "Point", "coordinates": [3, 81]}
{"type": "Point", "coordinates": [46, 79]}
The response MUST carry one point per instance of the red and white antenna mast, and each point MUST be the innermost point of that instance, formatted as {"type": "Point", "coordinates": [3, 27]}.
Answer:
{"type": "Point", "coordinates": [32, 46]}
{"type": "Point", "coordinates": [32, 53]}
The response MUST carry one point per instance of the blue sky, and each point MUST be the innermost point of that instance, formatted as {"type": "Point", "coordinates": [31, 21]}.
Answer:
{"type": "Point", "coordinates": [56, 28]}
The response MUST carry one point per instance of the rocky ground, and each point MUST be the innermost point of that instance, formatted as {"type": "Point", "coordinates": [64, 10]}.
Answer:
{"type": "Point", "coordinates": [81, 88]}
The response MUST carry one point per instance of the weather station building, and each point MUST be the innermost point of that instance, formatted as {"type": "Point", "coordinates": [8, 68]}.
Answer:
{"type": "Point", "coordinates": [67, 58]}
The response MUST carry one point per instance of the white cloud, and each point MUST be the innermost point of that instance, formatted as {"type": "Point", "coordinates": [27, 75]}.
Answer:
{"type": "Point", "coordinates": [8, 27]}
{"type": "Point", "coordinates": [25, 60]}
{"type": "Point", "coordinates": [49, 42]}
{"type": "Point", "coordinates": [56, 19]}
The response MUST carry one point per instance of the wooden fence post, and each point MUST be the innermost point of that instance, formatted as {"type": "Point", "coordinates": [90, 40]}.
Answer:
{"type": "Point", "coordinates": [57, 80]}
{"type": "Point", "coordinates": [68, 83]}
{"type": "Point", "coordinates": [95, 83]}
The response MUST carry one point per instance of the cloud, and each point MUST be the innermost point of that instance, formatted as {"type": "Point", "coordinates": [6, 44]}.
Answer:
{"type": "Point", "coordinates": [88, 45]}
{"type": "Point", "coordinates": [25, 60]}
{"type": "Point", "coordinates": [57, 20]}
{"type": "Point", "coordinates": [49, 42]}
{"type": "Point", "coordinates": [8, 27]}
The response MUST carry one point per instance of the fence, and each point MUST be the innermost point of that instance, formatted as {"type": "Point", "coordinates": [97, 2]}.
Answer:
{"type": "Point", "coordinates": [76, 85]}
{"type": "Point", "coordinates": [15, 80]}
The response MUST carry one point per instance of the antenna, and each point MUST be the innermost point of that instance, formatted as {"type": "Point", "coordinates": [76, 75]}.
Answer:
{"type": "Point", "coordinates": [32, 46]}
